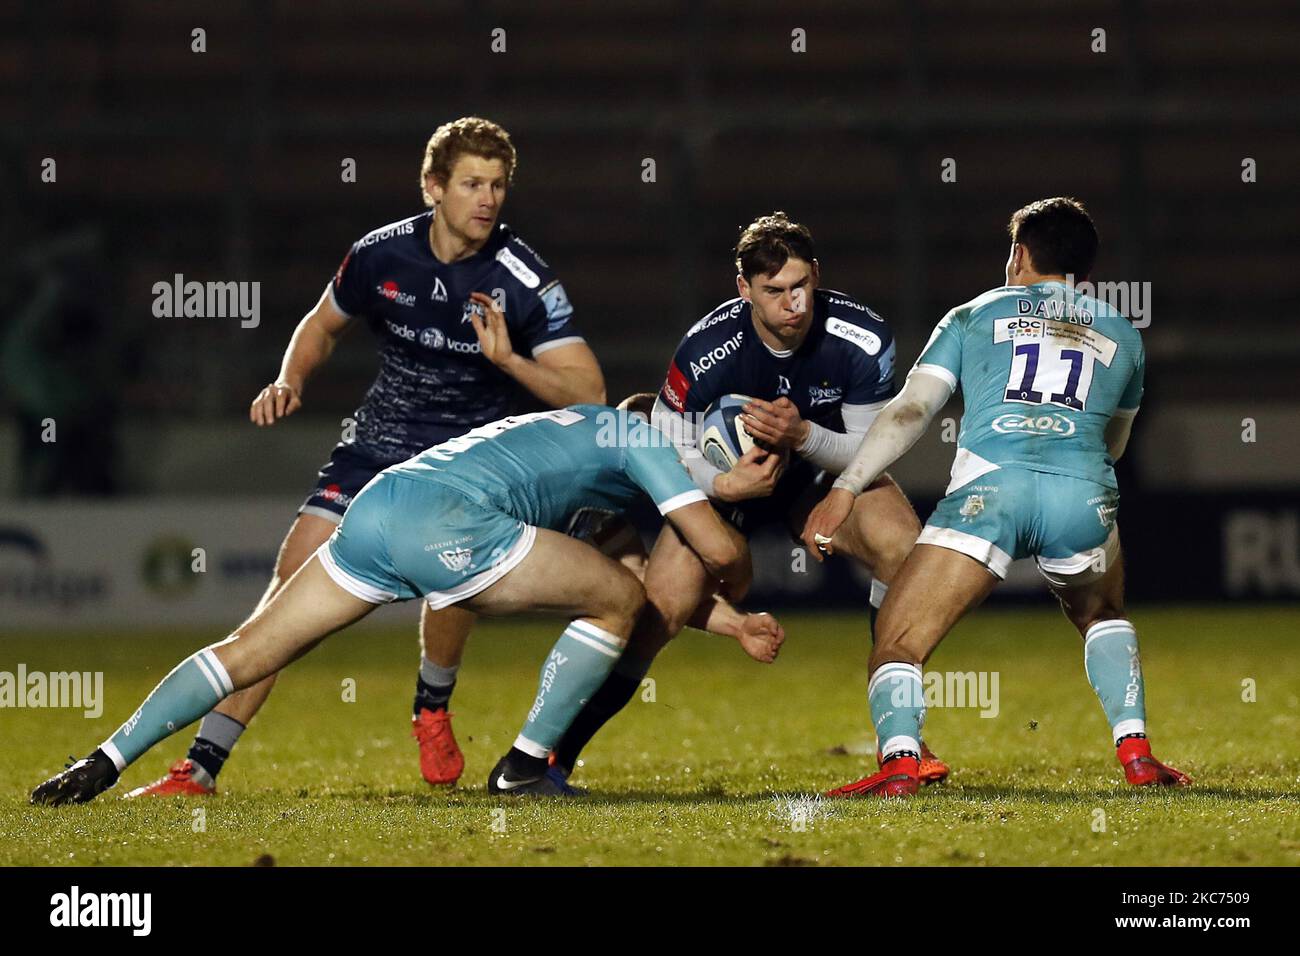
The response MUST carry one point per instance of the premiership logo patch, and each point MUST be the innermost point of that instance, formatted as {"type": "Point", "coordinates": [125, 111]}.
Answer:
{"type": "Point", "coordinates": [972, 506]}
{"type": "Point", "coordinates": [456, 559]}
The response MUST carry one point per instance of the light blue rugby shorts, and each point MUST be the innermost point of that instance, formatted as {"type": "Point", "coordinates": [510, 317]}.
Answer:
{"type": "Point", "coordinates": [403, 538]}
{"type": "Point", "coordinates": [1067, 524]}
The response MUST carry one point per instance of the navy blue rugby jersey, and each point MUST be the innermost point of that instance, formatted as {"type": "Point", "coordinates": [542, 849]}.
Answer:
{"type": "Point", "coordinates": [847, 359]}
{"type": "Point", "coordinates": [432, 373]}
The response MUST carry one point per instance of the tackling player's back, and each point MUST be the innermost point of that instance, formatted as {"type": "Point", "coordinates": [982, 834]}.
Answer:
{"type": "Point", "coordinates": [1042, 370]}
{"type": "Point", "coordinates": [545, 466]}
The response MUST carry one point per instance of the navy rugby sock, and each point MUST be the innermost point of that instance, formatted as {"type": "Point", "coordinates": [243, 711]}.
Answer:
{"type": "Point", "coordinates": [434, 686]}
{"type": "Point", "coordinates": [212, 744]}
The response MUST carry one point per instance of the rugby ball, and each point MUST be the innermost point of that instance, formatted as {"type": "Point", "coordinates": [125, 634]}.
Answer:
{"type": "Point", "coordinates": [722, 438]}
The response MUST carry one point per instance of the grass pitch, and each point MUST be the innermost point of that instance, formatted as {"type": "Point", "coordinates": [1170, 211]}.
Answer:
{"type": "Point", "coordinates": [722, 767]}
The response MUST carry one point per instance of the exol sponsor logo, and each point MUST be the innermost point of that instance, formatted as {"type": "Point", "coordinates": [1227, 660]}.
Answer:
{"type": "Point", "coordinates": [715, 355]}
{"type": "Point", "coordinates": [824, 394]}
{"type": "Point", "coordinates": [389, 290]}
{"type": "Point", "coordinates": [456, 559]}
{"type": "Point", "coordinates": [396, 229]}
{"type": "Point", "coordinates": [1053, 424]}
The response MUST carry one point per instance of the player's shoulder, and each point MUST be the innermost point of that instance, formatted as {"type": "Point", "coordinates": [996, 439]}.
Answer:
{"type": "Point", "coordinates": [994, 298]}
{"type": "Point", "coordinates": [851, 323]}
{"type": "Point", "coordinates": [392, 232]}
{"type": "Point", "coordinates": [521, 261]}
{"type": "Point", "coordinates": [720, 323]}
{"type": "Point", "coordinates": [1110, 321]}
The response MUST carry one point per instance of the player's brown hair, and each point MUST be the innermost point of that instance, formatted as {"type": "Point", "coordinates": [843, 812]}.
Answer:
{"type": "Point", "coordinates": [1059, 235]}
{"type": "Point", "coordinates": [767, 242]}
{"type": "Point", "coordinates": [469, 135]}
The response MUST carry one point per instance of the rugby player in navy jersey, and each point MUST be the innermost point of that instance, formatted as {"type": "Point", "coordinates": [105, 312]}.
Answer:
{"type": "Point", "coordinates": [819, 366]}
{"type": "Point", "coordinates": [464, 312]}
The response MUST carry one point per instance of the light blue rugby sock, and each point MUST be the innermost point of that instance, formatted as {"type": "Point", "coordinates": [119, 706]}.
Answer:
{"type": "Point", "coordinates": [573, 671]}
{"type": "Point", "coordinates": [192, 689]}
{"type": "Point", "coordinates": [1114, 666]}
{"type": "Point", "coordinates": [897, 701]}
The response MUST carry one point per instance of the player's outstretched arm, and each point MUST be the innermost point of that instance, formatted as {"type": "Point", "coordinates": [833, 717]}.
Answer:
{"type": "Point", "coordinates": [760, 635]}
{"type": "Point", "coordinates": [311, 344]}
{"type": "Point", "coordinates": [896, 429]}
{"type": "Point", "coordinates": [720, 547]}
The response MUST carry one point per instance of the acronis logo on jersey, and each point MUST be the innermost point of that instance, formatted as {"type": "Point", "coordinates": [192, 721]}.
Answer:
{"type": "Point", "coordinates": [387, 232]}
{"type": "Point", "coordinates": [715, 355]}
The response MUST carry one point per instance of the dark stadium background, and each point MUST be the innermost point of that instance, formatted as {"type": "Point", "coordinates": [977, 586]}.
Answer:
{"type": "Point", "coordinates": [225, 165]}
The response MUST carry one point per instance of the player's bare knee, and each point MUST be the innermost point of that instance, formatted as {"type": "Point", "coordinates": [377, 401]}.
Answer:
{"type": "Point", "coordinates": [622, 601]}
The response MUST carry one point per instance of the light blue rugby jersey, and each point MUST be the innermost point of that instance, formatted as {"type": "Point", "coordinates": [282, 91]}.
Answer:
{"type": "Point", "coordinates": [1042, 370]}
{"type": "Point", "coordinates": [542, 467]}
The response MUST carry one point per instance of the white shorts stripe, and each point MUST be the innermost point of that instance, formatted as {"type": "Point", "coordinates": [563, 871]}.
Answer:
{"type": "Point", "coordinates": [485, 579]}
{"type": "Point", "coordinates": [353, 585]}
{"type": "Point", "coordinates": [985, 552]}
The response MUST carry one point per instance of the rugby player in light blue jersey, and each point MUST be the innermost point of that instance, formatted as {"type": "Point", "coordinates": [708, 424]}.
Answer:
{"type": "Point", "coordinates": [475, 522]}
{"type": "Point", "coordinates": [1051, 380]}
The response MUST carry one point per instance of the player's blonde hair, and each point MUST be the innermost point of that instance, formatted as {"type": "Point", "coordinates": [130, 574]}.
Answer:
{"type": "Point", "coordinates": [469, 135]}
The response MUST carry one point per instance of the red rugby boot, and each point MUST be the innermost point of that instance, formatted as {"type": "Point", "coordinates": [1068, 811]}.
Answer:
{"type": "Point", "coordinates": [179, 782]}
{"type": "Point", "coordinates": [441, 761]}
{"type": "Point", "coordinates": [1143, 770]}
{"type": "Point", "coordinates": [897, 777]}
